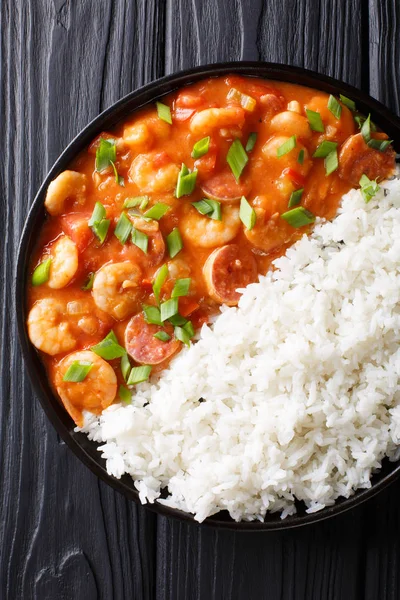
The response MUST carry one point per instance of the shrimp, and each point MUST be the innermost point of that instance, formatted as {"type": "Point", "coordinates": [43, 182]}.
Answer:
{"type": "Point", "coordinates": [68, 184]}
{"type": "Point", "coordinates": [64, 262]}
{"type": "Point", "coordinates": [291, 171]}
{"type": "Point", "coordinates": [207, 233]}
{"type": "Point", "coordinates": [48, 329]}
{"type": "Point", "coordinates": [116, 289]}
{"type": "Point", "coordinates": [216, 118]}
{"type": "Point", "coordinates": [94, 393]}
{"type": "Point", "coordinates": [268, 233]}
{"type": "Point", "coordinates": [152, 177]}
{"type": "Point", "coordinates": [356, 159]}
{"type": "Point", "coordinates": [143, 132]}
{"type": "Point", "coordinates": [290, 123]}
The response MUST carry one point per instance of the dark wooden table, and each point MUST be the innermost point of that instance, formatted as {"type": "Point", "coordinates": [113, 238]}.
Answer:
{"type": "Point", "coordinates": [64, 535]}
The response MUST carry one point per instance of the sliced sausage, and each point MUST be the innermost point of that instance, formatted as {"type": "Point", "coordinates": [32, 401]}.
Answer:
{"type": "Point", "coordinates": [227, 269]}
{"type": "Point", "coordinates": [225, 188]}
{"type": "Point", "coordinates": [143, 347]}
{"type": "Point", "coordinates": [357, 159]}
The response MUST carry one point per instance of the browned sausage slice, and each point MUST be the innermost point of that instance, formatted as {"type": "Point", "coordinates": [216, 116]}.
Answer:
{"type": "Point", "coordinates": [225, 270]}
{"type": "Point", "coordinates": [143, 347]}
{"type": "Point", "coordinates": [356, 159]}
{"type": "Point", "coordinates": [225, 188]}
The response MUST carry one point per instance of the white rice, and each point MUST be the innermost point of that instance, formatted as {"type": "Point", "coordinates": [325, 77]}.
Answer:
{"type": "Point", "coordinates": [300, 382]}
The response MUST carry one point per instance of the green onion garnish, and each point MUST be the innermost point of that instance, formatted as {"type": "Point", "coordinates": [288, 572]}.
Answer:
{"type": "Point", "coordinates": [125, 366]}
{"type": "Point", "coordinates": [123, 228]}
{"type": "Point", "coordinates": [209, 207]}
{"type": "Point", "coordinates": [174, 242]}
{"type": "Point", "coordinates": [286, 146]}
{"type": "Point", "coordinates": [139, 374]}
{"type": "Point", "coordinates": [300, 158]}
{"type": "Point", "coordinates": [98, 223]}
{"type": "Point", "coordinates": [366, 129]}
{"type": "Point", "coordinates": [334, 106]}
{"type": "Point", "coordinates": [315, 121]}
{"type": "Point", "coordinates": [184, 333]}
{"type": "Point", "coordinates": [380, 145]}
{"type": "Point", "coordinates": [203, 207]}
{"type": "Point", "coordinates": [137, 201]}
{"type": "Point", "coordinates": [237, 158]}
{"type": "Point", "coordinates": [247, 214]}
{"type": "Point", "coordinates": [368, 188]}
{"type": "Point", "coordinates": [177, 320]}
{"type": "Point", "coordinates": [151, 314]}
{"type": "Point", "coordinates": [324, 149]}
{"type": "Point", "coordinates": [42, 273]}
{"type": "Point", "coordinates": [124, 394]}
{"type": "Point", "coordinates": [77, 371]}
{"type": "Point", "coordinates": [201, 147]}
{"type": "Point", "coordinates": [118, 178]}
{"type": "Point", "coordinates": [251, 141]}
{"type": "Point", "coordinates": [347, 102]}
{"type": "Point", "coordinates": [140, 239]}
{"type": "Point", "coordinates": [169, 308]}
{"type": "Point", "coordinates": [360, 120]}
{"type": "Point", "coordinates": [163, 336]}
{"type": "Point", "coordinates": [106, 154]}
{"type": "Point", "coordinates": [298, 217]}
{"type": "Point", "coordinates": [88, 282]}
{"type": "Point", "coordinates": [186, 182]}
{"type": "Point", "coordinates": [159, 281]}
{"type": "Point", "coordinates": [157, 211]}
{"type": "Point", "coordinates": [295, 197]}
{"type": "Point", "coordinates": [164, 112]}
{"type": "Point", "coordinates": [181, 287]}
{"type": "Point", "coordinates": [109, 348]}
{"type": "Point", "coordinates": [331, 162]}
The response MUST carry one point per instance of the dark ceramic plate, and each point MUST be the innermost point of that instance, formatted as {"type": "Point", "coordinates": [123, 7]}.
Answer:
{"type": "Point", "coordinates": [78, 442]}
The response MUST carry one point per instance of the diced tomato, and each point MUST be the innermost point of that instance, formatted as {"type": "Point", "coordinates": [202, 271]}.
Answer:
{"type": "Point", "coordinates": [187, 306]}
{"type": "Point", "coordinates": [296, 177]}
{"type": "Point", "coordinates": [147, 285]}
{"type": "Point", "coordinates": [183, 114]}
{"type": "Point", "coordinates": [75, 225]}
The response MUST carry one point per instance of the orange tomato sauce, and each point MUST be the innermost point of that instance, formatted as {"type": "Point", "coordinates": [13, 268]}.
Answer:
{"type": "Point", "coordinates": [149, 155]}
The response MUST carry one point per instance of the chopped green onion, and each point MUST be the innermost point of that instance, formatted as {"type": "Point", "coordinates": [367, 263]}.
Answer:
{"type": "Point", "coordinates": [42, 272]}
{"type": "Point", "coordinates": [124, 394]}
{"type": "Point", "coordinates": [144, 203]}
{"type": "Point", "coordinates": [203, 207]}
{"type": "Point", "coordinates": [88, 282]}
{"type": "Point", "coordinates": [151, 314]}
{"type": "Point", "coordinates": [360, 120]}
{"type": "Point", "coordinates": [118, 178]}
{"type": "Point", "coordinates": [159, 281]}
{"type": "Point", "coordinates": [324, 149]}
{"type": "Point", "coordinates": [106, 154]}
{"type": "Point", "coordinates": [98, 223]}
{"type": "Point", "coordinates": [237, 158]}
{"type": "Point", "coordinates": [163, 336]}
{"type": "Point", "coordinates": [101, 230]}
{"type": "Point", "coordinates": [300, 158]}
{"type": "Point", "coordinates": [368, 188]}
{"type": "Point", "coordinates": [347, 102]}
{"type": "Point", "coordinates": [246, 102]}
{"type": "Point", "coordinates": [286, 147]}
{"type": "Point", "coordinates": [139, 374]}
{"type": "Point", "coordinates": [125, 366]}
{"type": "Point", "coordinates": [366, 129]}
{"type": "Point", "coordinates": [331, 162]}
{"type": "Point", "coordinates": [169, 308]}
{"type": "Point", "coordinates": [334, 106]}
{"type": "Point", "coordinates": [77, 371]}
{"type": "Point", "coordinates": [164, 112]}
{"type": "Point", "coordinates": [315, 121]}
{"type": "Point", "coordinates": [181, 287]}
{"type": "Point", "coordinates": [140, 239]}
{"type": "Point", "coordinates": [186, 182]}
{"type": "Point", "coordinates": [177, 320]}
{"type": "Point", "coordinates": [251, 141]}
{"type": "Point", "coordinates": [380, 145]}
{"type": "Point", "coordinates": [201, 147]}
{"type": "Point", "coordinates": [174, 242]}
{"type": "Point", "coordinates": [123, 228]}
{"type": "Point", "coordinates": [298, 217]}
{"type": "Point", "coordinates": [247, 214]}
{"type": "Point", "coordinates": [184, 333]}
{"type": "Point", "coordinates": [98, 214]}
{"type": "Point", "coordinates": [295, 197]}
{"type": "Point", "coordinates": [109, 348]}
{"type": "Point", "coordinates": [157, 211]}
{"type": "Point", "coordinates": [136, 201]}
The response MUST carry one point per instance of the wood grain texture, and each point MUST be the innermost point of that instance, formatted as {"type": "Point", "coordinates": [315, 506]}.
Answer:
{"type": "Point", "coordinates": [64, 535]}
